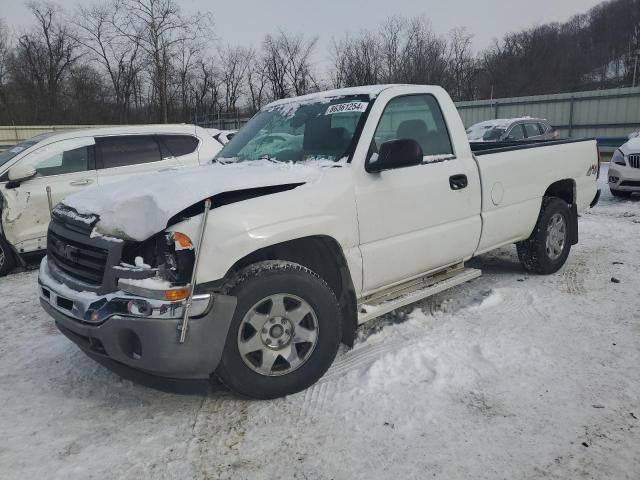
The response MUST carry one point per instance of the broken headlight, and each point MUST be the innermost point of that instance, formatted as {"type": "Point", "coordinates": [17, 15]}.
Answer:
{"type": "Point", "coordinates": [178, 255]}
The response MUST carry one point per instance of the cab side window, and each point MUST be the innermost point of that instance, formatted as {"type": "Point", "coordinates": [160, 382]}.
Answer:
{"type": "Point", "coordinates": [122, 151]}
{"type": "Point", "coordinates": [516, 133]}
{"type": "Point", "coordinates": [415, 117]}
{"type": "Point", "coordinates": [65, 156]}
{"type": "Point", "coordinates": [532, 130]}
{"type": "Point", "coordinates": [68, 161]}
{"type": "Point", "coordinates": [177, 145]}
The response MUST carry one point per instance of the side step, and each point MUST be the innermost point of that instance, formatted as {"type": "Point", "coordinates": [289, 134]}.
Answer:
{"type": "Point", "coordinates": [406, 294]}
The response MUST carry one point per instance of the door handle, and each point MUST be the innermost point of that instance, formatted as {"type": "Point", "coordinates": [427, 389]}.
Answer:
{"type": "Point", "coordinates": [458, 182]}
{"type": "Point", "coordinates": [79, 183]}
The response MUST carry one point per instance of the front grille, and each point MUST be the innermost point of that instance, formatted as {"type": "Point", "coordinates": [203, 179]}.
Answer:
{"type": "Point", "coordinates": [634, 160]}
{"type": "Point", "coordinates": [86, 263]}
{"type": "Point", "coordinates": [630, 183]}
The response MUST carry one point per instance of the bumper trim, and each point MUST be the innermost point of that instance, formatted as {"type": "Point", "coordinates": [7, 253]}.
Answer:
{"type": "Point", "coordinates": [151, 346]}
{"type": "Point", "coordinates": [164, 384]}
{"type": "Point", "coordinates": [596, 199]}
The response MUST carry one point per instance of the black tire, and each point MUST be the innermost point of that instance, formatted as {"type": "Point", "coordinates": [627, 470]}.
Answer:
{"type": "Point", "coordinates": [620, 193]}
{"type": "Point", "coordinates": [7, 257]}
{"type": "Point", "coordinates": [251, 286]}
{"type": "Point", "coordinates": [533, 252]}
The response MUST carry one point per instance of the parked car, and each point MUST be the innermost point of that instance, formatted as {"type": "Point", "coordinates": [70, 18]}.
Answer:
{"type": "Point", "coordinates": [511, 130]}
{"type": "Point", "coordinates": [624, 168]}
{"type": "Point", "coordinates": [222, 136]}
{"type": "Point", "coordinates": [72, 161]}
{"type": "Point", "coordinates": [257, 267]}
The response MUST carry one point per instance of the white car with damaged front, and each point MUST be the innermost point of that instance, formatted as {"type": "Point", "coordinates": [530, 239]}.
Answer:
{"type": "Point", "coordinates": [624, 169]}
{"type": "Point", "coordinates": [49, 167]}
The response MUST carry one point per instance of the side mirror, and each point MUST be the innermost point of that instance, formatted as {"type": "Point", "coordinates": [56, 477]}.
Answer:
{"type": "Point", "coordinates": [404, 152]}
{"type": "Point", "coordinates": [21, 172]}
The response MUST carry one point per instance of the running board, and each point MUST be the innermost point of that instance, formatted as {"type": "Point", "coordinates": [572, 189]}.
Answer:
{"type": "Point", "coordinates": [406, 294]}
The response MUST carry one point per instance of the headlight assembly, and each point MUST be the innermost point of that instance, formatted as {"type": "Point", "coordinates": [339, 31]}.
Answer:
{"type": "Point", "coordinates": [179, 256]}
{"type": "Point", "coordinates": [618, 158]}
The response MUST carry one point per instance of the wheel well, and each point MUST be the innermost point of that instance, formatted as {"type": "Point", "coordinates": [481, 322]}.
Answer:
{"type": "Point", "coordinates": [564, 189]}
{"type": "Point", "coordinates": [324, 256]}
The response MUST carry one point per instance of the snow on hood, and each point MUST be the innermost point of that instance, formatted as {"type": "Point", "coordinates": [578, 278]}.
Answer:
{"type": "Point", "coordinates": [632, 146]}
{"type": "Point", "coordinates": [141, 206]}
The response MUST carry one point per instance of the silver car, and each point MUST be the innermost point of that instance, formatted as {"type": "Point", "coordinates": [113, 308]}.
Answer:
{"type": "Point", "coordinates": [511, 130]}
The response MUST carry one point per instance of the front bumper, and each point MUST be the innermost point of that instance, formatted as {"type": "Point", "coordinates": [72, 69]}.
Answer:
{"type": "Point", "coordinates": [624, 178]}
{"type": "Point", "coordinates": [143, 344]}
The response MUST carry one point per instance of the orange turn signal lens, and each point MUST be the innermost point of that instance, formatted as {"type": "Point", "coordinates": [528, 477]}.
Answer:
{"type": "Point", "coordinates": [176, 294]}
{"type": "Point", "coordinates": [182, 240]}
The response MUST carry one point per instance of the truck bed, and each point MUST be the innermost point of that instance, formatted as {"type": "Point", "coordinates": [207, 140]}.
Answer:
{"type": "Point", "coordinates": [511, 200]}
{"type": "Point", "coordinates": [484, 148]}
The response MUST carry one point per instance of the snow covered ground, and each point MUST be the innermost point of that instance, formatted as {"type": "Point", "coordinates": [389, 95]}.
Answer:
{"type": "Point", "coordinates": [510, 376]}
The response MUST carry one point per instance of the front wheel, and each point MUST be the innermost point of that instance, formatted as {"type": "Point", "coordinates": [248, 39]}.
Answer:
{"type": "Point", "coordinates": [547, 249]}
{"type": "Point", "coordinates": [285, 331]}
{"type": "Point", "coordinates": [7, 258]}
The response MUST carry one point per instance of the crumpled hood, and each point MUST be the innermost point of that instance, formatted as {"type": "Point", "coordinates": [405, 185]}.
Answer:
{"type": "Point", "coordinates": [141, 206]}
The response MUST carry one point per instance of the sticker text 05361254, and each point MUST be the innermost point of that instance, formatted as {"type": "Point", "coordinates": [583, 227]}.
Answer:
{"type": "Point", "coordinates": [347, 107]}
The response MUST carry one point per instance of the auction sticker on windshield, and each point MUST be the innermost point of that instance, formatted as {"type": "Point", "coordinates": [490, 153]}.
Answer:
{"type": "Point", "coordinates": [347, 107]}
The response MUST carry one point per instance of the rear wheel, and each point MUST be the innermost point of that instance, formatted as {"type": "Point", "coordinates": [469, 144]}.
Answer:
{"type": "Point", "coordinates": [547, 249]}
{"type": "Point", "coordinates": [285, 332]}
{"type": "Point", "coordinates": [7, 258]}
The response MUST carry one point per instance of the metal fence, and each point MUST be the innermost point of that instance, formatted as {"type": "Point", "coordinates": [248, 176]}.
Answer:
{"type": "Point", "coordinates": [609, 115]}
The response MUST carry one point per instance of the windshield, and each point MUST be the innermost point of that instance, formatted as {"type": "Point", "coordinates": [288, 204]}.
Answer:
{"type": "Point", "coordinates": [485, 132]}
{"type": "Point", "coordinates": [320, 129]}
{"type": "Point", "coordinates": [20, 147]}
{"type": "Point", "coordinates": [494, 134]}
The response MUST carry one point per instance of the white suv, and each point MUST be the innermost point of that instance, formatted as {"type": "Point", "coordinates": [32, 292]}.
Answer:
{"type": "Point", "coordinates": [624, 170]}
{"type": "Point", "coordinates": [70, 161]}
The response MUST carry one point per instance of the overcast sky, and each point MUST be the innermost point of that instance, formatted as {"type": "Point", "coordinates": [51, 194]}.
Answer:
{"type": "Point", "coordinates": [245, 22]}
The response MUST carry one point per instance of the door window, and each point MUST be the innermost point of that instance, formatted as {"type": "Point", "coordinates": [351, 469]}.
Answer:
{"type": "Point", "coordinates": [66, 156]}
{"type": "Point", "coordinates": [177, 145]}
{"type": "Point", "coordinates": [123, 151]}
{"type": "Point", "coordinates": [416, 117]}
{"type": "Point", "coordinates": [532, 130]}
{"type": "Point", "coordinates": [516, 133]}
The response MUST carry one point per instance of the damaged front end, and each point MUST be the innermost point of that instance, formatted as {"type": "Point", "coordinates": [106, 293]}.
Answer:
{"type": "Point", "coordinates": [126, 302]}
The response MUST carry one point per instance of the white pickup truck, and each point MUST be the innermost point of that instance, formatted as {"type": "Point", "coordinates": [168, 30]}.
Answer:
{"type": "Point", "coordinates": [323, 212]}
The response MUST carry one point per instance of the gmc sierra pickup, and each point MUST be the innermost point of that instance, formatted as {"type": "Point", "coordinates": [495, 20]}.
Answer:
{"type": "Point", "coordinates": [323, 212]}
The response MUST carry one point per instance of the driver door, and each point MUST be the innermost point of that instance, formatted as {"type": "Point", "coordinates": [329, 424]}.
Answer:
{"type": "Point", "coordinates": [66, 167]}
{"type": "Point", "coordinates": [416, 219]}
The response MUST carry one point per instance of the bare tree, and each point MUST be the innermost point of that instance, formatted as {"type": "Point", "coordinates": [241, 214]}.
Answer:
{"type": "Point", "coordinates": [48, 51]}
{"type": "Point", "coordinates": [256, 82]}
{"type": "Point", "coordinates": [356, 61]}
{"type": "Point", "coordinates": [234, 63]}
{"type": "Point", "coordinates": [275, 67]}
{"type": "Point", "coordinates": [159, 27]}
{"type": "Point", "coordinates": [5, 51]}
{"type": "Point", "coordinates": [298, 51]}
{"type": "Point", "coordinates": [461, 64]}
{"type": "Point", "coordinates": [113, 51]}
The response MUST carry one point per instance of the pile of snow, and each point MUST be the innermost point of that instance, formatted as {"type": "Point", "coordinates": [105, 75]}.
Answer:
{"type": "Point", "coordinates": [141, 206]}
